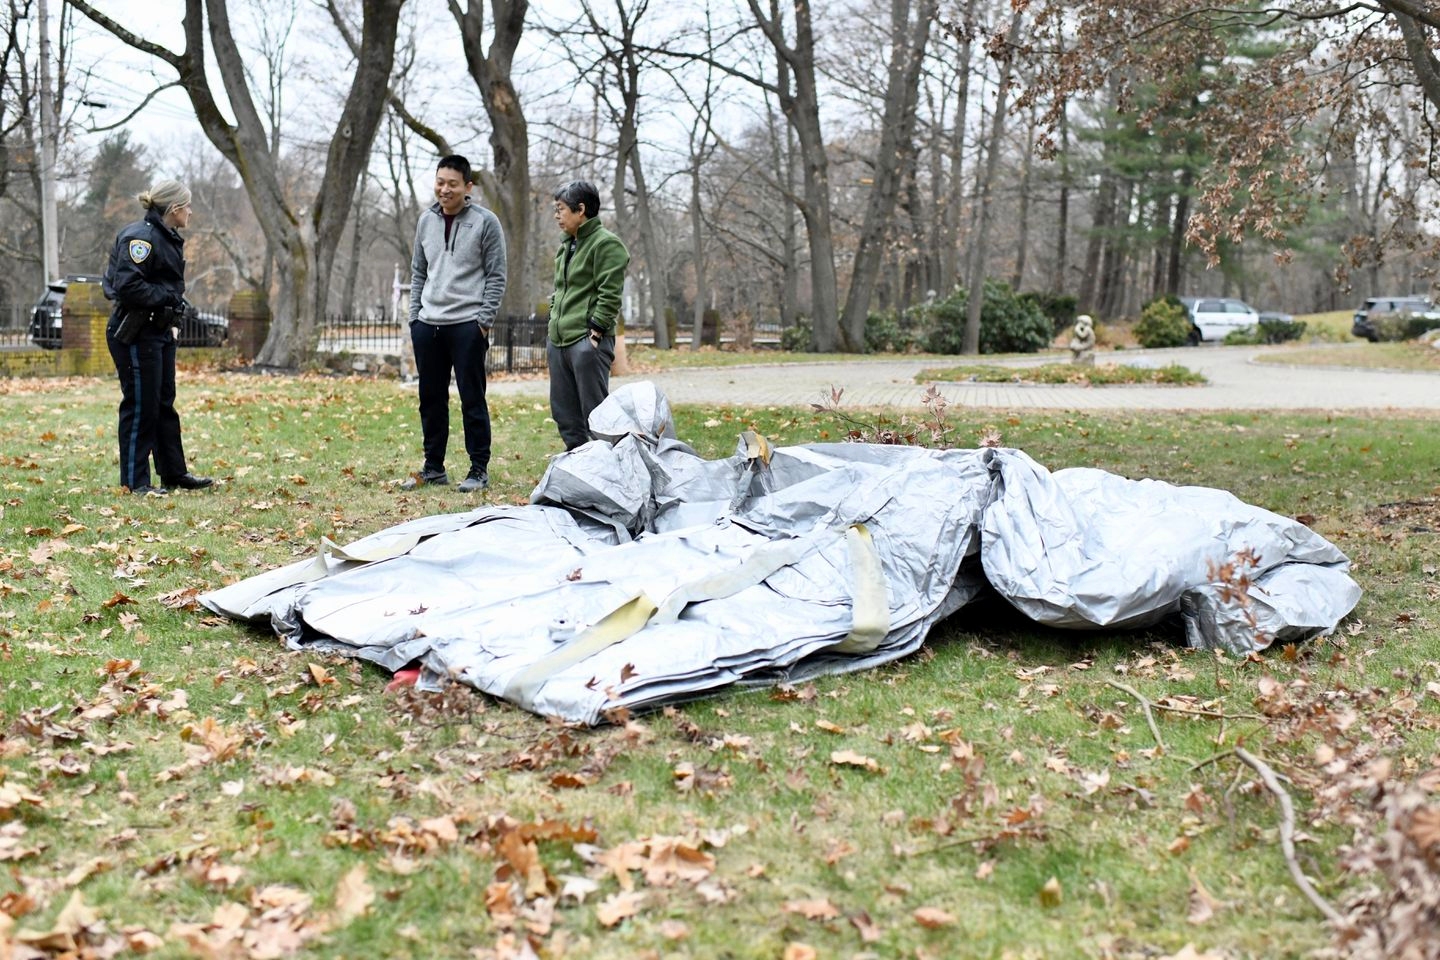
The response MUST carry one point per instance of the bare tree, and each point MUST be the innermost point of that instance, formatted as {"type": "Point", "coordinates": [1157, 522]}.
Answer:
{"type": "Point", "coordinates": [976, 300]}
{"type": "Point", "coordinates": [909, 34]}
{"type": "Point", "coordinates": [621, 61]}
{"type": "Point", "coordinates": [305, 236]}
{"type": "Point", "coordinates": [507, 184]}
{"type": "Point", "coordinates": [797, 90]}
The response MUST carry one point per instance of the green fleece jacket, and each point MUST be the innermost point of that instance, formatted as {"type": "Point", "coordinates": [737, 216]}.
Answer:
{"type": "Point", "coordinates": [589, 277]}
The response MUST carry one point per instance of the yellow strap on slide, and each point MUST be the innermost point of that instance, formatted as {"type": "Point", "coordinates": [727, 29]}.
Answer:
{"type": "Point", "coordinates": [624, 621]}
{"type": "Point", "coordinates": [630, 617]}
{"type": "Point", "coordinates": [387, 550]}
{"type": "Point", "coordinates": [870, 605]}
{"type": "Point", "coordinates": [756, 446]}
{"type": "Point", "coordinates": [761, 563]}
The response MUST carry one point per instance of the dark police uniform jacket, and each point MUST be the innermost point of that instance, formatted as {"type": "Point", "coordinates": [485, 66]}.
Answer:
{"type": "Point", "coordinates": [147, 268]}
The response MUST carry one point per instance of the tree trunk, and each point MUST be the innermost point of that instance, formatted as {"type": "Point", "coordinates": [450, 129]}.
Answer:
{"type": "Point", "coordinates": [1112, 264]}
{"type": "Point", "coordinates": [626, 61]}
{"type": "Point", "coordinates": [976, 299]}
{"type": "Point", "coordinates": [953, 202]}
{"type": "Point", "coordinates": [1022, 241]}
{"type": "Point", "coordinates": [801, 106]}
{"type": "Point", "coordinates": [357, 243]}
{"type": "Point", "coordinates": [654, 259]}
{"type": "Point", "coordinates": [1059, 279]}
{"type": "Point", "coordinates": [507, 187]}
{"type": "Point", "coordinates": [907, 51]}
{"type": "Point", "coordinates": [697, 252]}
{"type": "Point", "coordinates": [1176, 252]}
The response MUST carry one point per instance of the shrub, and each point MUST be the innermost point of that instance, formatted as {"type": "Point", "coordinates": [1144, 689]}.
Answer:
{"type": "Point", "coordinates": [1163, 323]}
{"type": "Point", "coordinates": [1008, 323]}
{"type": "Point", "coordinates": [797, 338]}
{"type": "Point", "coordinates": [1419, 326]}
{"type": "Point", "coordinates": [1061, 308]}
{"type": "Point", "coordinates": [1274, 330]}
{"type": "Point", "coordinates": [887, 333]}
{"type": "Point", "coordinates": [1401, 326]}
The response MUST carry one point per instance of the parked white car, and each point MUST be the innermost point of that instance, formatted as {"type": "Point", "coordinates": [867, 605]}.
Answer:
{"type": "Point", "coordinates": [1214, 317]}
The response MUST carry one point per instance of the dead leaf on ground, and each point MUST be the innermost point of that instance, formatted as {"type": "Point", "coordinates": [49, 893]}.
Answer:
{"type": "Point", "coordinates": [866, 927]}
{"type": "Point", "coordinates": [821, 909]}
{"type": "Point", "coordinates": [933, 918]}
{"type": "Point", "coordinates": [1202, 904]}
{"type": "Point", "coordinates": [353, 895]}
{"type": "Point", "coordinates": [1188, 952]}
{"type": "Point", "coordinates": [849, 758]}
{"type": "Point", "coordinates": [619, 906]}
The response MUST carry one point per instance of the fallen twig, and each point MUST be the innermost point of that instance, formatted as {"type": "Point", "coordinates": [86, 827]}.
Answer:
{"type": "Point", "coordinates": [1287, 834]}
{"type": "Point", "coordinates": [1008, 833]}
{"type": "Point", "coordinates": [1149, 715]}
{"type": "Point", "coordinates": [1215, 758]}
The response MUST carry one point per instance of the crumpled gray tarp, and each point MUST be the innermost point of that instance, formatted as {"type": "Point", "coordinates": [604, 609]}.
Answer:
{"type": "Point", "coordinates": [643, 574]}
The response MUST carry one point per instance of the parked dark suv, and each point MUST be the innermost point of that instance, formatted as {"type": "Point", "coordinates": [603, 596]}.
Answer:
{"type": "Point", "coordinates": [196, 330]}
{"type": "Point", "coordinates": [1362, 326]}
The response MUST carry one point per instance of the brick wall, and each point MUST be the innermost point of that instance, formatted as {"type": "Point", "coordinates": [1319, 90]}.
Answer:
{"type": "Point", "coordinates": [249, 323]}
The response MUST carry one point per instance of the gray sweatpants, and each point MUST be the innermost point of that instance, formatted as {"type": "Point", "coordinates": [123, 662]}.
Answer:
{"type": "Point", "coordinates": [579, 381]}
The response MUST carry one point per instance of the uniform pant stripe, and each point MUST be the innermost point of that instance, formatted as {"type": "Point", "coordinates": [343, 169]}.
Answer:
{"type": "Point", "coordinates": [136, 418]}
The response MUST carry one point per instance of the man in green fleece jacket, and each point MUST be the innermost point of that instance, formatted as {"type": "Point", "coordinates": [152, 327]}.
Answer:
{"type": "Point", "coordinates": [589, 277]}
{"type": "Point", "coordinates": [457, 280]}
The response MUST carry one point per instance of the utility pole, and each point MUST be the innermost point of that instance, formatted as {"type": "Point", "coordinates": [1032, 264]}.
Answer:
{"type": "Point", "coordinates": [49, 218]}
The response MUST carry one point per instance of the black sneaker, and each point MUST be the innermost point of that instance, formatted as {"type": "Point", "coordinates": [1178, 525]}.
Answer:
{"type": "Point", "coordinates": [478, 479]}
{"type": "Point", "coordinates": [426, 476]}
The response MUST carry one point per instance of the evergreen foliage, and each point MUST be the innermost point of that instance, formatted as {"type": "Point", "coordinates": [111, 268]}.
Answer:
{"type": "Point", "coordinates": [1009, 323]}
{"type": "Point", "coordinates": [1163, 323]}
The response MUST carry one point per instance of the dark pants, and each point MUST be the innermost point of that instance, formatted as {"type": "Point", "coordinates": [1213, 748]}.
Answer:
{"type": "Point", "coordinates": [438, 350]}
{"type": "Point", "coordinates": [149, 424]}
{"type": "Point", "coordinates": [579, 381]}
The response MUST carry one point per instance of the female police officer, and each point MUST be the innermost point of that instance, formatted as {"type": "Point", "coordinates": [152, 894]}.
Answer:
{"type": "Point", "coordinates": [146, 279]}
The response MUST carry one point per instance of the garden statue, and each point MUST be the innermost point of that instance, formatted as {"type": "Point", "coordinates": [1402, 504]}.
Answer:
{"type": "Point", "coordinates": [1082, 343]}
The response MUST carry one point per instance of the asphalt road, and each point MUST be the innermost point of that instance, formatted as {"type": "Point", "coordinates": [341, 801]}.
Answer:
{"type": "Point", "coordinates": [1236, 382]}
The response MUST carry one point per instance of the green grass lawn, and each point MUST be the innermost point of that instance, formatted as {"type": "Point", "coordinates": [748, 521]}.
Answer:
{"type": "Point", "coordinates": [179, 783]}
{"type": "Point", "coordinates": [1408, 356]}
{"type": "Point", "coordinates": [1099, 375]}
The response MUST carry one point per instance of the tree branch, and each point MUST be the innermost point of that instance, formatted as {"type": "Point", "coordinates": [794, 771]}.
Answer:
{"type": "Point", "coordinates": [1424, 64]}
{"type": "Point", "coordinates": [1145, 703]}
{"type": "Point", "coordinates": [131, 115]}
{"type": "Point", "coordinates": [1287, 835]}
{"type": "Point", "coordinates": [175, 60]}
{"type": "Point", "coordinates": [417, 126]}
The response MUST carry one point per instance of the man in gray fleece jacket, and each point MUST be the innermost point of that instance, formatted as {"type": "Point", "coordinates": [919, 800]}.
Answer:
{"type": "Point", "coordinates": [457, 280]}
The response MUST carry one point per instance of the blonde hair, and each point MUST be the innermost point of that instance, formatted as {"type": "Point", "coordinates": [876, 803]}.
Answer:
{"type": "Point", "coordinates": [164, 195]}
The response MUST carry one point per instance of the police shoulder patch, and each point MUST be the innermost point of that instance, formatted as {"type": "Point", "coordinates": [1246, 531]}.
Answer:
{"type": "Point", "coordinates": [139, 250]}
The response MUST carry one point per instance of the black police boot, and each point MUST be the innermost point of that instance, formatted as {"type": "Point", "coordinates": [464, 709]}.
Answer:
{"type": "Point", "coordinates": [187, 481]}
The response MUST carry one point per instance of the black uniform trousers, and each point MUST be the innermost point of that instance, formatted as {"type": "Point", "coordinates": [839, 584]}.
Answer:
{"type": "Point", "coordinates": [149, 425]}
{"type": "Point", "coordinates": [439, 349]}
{"type": "Point", "coordinates": [579, 382]}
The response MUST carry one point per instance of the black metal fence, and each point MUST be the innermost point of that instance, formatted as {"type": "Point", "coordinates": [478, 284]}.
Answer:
{"type": "Point", "coordinates": [23, 326]}
{"type": "Point", "coordinates": [517, 343]}
{"type": "Point", "coordinates": [14, 325]}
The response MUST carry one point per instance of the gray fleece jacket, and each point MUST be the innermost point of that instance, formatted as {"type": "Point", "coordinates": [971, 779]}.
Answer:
{"type": "Point", "coordinates": [462, 280]}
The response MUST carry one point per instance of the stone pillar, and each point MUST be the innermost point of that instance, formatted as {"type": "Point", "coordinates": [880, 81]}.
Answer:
{"type": "Point", "coordinates": [249, 323]}
{"type": "Point", "coordinates": [82, 331]}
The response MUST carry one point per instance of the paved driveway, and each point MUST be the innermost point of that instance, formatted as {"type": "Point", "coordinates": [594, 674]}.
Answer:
{"type": "Point", "coordinates": [1236, 383]}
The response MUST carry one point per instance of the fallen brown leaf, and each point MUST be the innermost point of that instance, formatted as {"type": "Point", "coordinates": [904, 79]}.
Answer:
{"type": "Point", "coordinates": [821, 909]}
{"type": "Point", "coordinates": [619, 906]}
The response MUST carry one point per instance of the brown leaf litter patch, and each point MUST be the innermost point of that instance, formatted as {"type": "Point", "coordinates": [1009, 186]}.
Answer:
{"type": "Point", "coordinates": [1420, 515]}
